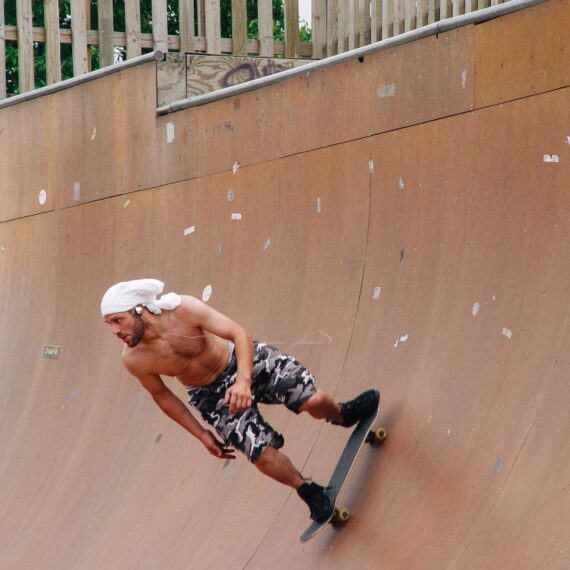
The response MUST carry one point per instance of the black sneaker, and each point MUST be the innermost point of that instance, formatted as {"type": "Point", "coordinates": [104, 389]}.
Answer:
{"type": "Point", "coordinates": [359, 408]}
{"type": "Point", "coordinates": [319, 500]}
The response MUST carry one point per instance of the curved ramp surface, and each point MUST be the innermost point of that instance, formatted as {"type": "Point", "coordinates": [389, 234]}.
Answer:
{"type": "Point", "coordinates": [415, 240]}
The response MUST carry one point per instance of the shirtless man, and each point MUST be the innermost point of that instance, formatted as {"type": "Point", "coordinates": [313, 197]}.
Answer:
{"type": "Point", "coordinates": [226, 375]}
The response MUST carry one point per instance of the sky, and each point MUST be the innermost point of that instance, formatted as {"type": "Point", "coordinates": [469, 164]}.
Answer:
{"type": "Point", "coordinates": [305, 11]}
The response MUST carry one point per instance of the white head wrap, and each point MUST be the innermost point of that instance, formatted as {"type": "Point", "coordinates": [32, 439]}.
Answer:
{"type": "Point", "coordinates": [128, 294]}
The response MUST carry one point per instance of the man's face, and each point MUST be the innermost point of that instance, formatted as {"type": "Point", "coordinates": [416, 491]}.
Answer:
{"type": "Point", "coordinates": [127, 326]}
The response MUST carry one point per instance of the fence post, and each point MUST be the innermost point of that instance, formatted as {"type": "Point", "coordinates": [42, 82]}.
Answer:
{"type": "Point", "coordinates": [79, 37]}
{"type": "Point", "coordinates": [187, 33]}
{"type": "Point", "coordinates": [106, 49]}
{"type": "Point", "coordinates": [53, 50]}
{"type": "Point", "coordinates": [292, 43]}
{"type": "Point", "coordinates": [239, 27]}
{"type": "Point", "coordinates": [159, 25]}
{"type": "Point", "coordinates": [2, 53]}
{"type": "Point", "coordinates": [319, 28]}
{"type": "Point", "coordinates": [265, 33]}
{"type": "Point", "coordinates": [213, 27]}
{"type": "Point", "coordinates": [25, 46]}
{"type": "Point", "coordinates": [133, 28]}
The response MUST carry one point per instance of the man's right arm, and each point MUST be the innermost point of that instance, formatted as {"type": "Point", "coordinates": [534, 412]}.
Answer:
{"type": "Point", "coordinates": [173, 407]}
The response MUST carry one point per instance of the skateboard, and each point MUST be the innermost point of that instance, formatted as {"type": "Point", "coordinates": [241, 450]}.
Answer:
{"type": "Point", "coordinates": [362, 433]}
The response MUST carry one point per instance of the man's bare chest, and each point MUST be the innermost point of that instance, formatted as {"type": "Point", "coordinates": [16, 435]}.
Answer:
{"type": "Point", "coordinates": [174, 356]}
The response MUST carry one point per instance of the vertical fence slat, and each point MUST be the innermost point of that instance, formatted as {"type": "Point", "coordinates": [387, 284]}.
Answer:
{"type": "Point", "coordinates": [361, 21]}
{"type": "Point", "coordinates": [319, 27]}
{"type": "Point", "coordinates": [2, 52]}
{"type": "Point", "coordinates": [53, 50]}
{"type": "Point", "coordinates": [213, 26]}
{"type": "Point", "coordinates": [431, 11]}
{"type": "Point", "coordinates": [342, 25]}
{"type": "Point", "coordinates": [375, 20]}
{"type": "Point", "coordinates": [88, 27]}
{"type": "Point", "coordinates": [292, 43]}
{"type": "Point", "coordinates": [457, 7]}
{"type": "Point", "coordinates": [105, 16]}
{"type": "Point", "coordinates": [25, 46]}
{"type": "Point", "coordinates": [421, 13]}
{"type": "Point", "coordinates": [79, 37]}
{"type": "Point", "coordinates": [351, 23]}
{"type": "Point", "coordinates": [408, 11]}
{"type": "Point", "coordinates": [239, 27]}
{"type": "Point", "coordinates": [398, 13]}
{"type": "Point", "coordinates": [133, 28]}
{"type": "Point", "coordinates": [187, 33]}
{"type": "Point", "coordinates": [265, 18]}
{"type": "Point", "coordinates": [159, 25]}
{"type": "Point", "coordinates": [201, 17]}
{"type": "Point", "coordinates": [444, 9]}
{"type": "Point", "coordinates": [332, 27]}
{"type": "Point", "coordinates": [387, 18]}
{"type": "Point", "coordinates": [364, 21]}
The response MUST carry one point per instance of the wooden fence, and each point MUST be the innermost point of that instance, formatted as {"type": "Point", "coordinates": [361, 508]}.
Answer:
{"type": "Point", "coordinates": [337, 26]}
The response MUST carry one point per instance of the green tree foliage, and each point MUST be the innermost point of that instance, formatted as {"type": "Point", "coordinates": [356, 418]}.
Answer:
{"type": "Point", "coordinates": [119, 24]}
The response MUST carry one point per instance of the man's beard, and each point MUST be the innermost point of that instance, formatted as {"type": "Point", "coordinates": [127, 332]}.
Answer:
{"type": "Point", "coordinates": [138, 332]}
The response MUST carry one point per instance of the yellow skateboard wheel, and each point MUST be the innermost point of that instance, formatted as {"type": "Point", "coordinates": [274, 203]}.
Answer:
{"type": "Point", "coordinates": [380, 435]}
{"type": "Point", "coordinates": [377, 436]}
{"type": "Point", "coordinates": [341, 515]}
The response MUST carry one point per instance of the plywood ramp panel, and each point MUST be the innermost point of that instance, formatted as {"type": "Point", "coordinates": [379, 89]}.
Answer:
{"type": "Point", "coordinates": [527, 264]}
{"type": "Point", "coordinates": [158, 150]}
{"type": "Point", "coordinates": [237, 132]}
{"type": "Point", "coordinates": [86, 142]}
{"type": "Point", "coordinates": [74, 503]}
{"type": "Point", "coordinates": [467, 255]}
{"type": "Point", "coordinates": [412, 83]}
{"type": "Point", "coordinates": [24, 142]}
{"type": "Point", "coordinates": [523, 54]}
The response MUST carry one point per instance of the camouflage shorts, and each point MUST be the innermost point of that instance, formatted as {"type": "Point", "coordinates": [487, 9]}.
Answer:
{"type": "Point", "coordinates": [277, 379]}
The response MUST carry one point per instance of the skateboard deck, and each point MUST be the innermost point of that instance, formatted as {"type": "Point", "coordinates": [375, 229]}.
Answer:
{"type": "Point", "coordinates": [361, 434]}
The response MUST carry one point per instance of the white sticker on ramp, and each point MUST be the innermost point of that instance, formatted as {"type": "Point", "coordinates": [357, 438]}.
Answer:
{"type": "Point", "coordinates": [169, 132]}
{"type": "Point", "coordinates": [401, 340]}
{"type": "Point", "coordinates": [551, 158]}
{"type": "Point", "coordinates": [386, 90]}
{"type": "Point", "coordinates": [206, 293]}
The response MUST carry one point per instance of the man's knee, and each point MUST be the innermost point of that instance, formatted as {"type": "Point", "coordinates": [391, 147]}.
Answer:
{"type": "Point", "coordinates": [265, 457]}
{"type": "Point", "coordinates": [315, 402]}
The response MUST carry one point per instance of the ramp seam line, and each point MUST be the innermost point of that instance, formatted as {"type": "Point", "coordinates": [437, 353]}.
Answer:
{"type": "Point", "coordinates": [364, 264]}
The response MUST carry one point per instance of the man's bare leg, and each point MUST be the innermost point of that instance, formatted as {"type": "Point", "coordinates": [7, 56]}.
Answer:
{"type": "Point", "coordinates": [278, 466]}
{"type": "Point", "coordinates": [322, 406]}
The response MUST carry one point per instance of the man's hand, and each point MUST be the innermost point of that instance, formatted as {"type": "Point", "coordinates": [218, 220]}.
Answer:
{"type": "Point", "coordinates": [216, 448]}
{"type": "Point", "coordinates": [238, 396]}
